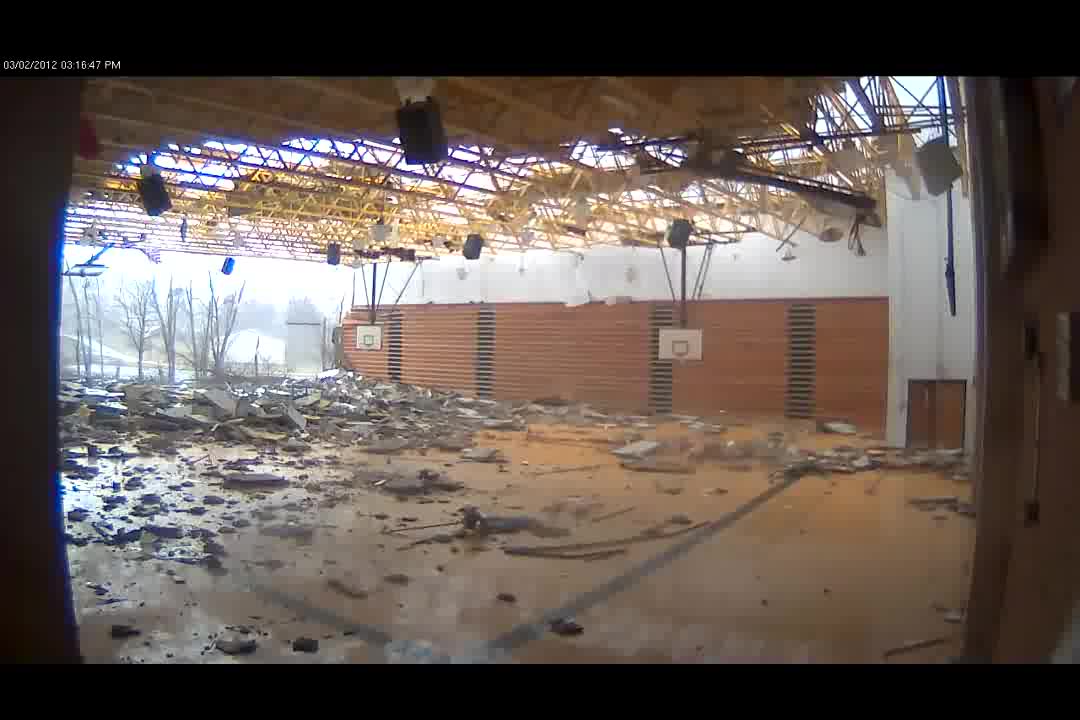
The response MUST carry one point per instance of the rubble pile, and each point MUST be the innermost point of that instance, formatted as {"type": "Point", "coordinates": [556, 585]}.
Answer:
{"type": "Point", "coordinates": [848, 460]}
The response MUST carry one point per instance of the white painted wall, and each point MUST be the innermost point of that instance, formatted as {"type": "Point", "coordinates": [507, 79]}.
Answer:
{"type": "Point", "coordinates": [751, 269]}
{"type": "Point", "coordinates": [925, 341]}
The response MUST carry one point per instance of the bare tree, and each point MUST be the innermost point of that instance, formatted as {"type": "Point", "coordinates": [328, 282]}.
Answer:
{"type": "Point", "coordinates": [78, 324]}
{"type": "Point", "coordinates": [222, 320]}
{"type": "Point", "coordinates": [89, 351]}
{"type": "Point", "coordinates": [166, 317]}
{"type": "Point", "coordinates": [135, 304]}
{"type": "Point", "coordinates": [329, 348]}
{"type": "Point", "coordinates": [198, 338]}
{"type": "Point", "coordinates": [99, 311]}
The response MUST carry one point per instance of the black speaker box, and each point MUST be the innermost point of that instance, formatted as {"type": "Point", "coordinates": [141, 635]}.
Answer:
{"type": "Point", "coordinates": [154, 196]}
{"type": "Point", "coordinates": [473, 245]}
{"type": "Point", "coordinates": [938, 166]}
{"type": "Point", "coordinates": [422, 133]}
{"type": "Point", "coordinates": [678, 235]}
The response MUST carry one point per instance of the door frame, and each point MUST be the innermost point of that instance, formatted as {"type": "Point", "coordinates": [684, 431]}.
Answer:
{"type": "Point", "coordinates": [934, 382]}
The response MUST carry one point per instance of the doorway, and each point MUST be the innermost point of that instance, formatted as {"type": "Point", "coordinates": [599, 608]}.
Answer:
{"type": "Point", "coordinates": [936, 414]}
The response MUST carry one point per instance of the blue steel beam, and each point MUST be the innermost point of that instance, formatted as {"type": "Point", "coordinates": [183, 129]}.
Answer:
{"type": "Point", "coordinates": [864, 101]}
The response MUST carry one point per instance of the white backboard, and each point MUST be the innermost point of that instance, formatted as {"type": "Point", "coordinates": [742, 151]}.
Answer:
{"type": "Point", "coordinates": [679, 344]}
{"type": "Point", "coordinates": [368, 337]}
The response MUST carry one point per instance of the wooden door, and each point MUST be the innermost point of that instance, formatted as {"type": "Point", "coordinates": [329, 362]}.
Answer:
{"type": "Point", "coordinates": [936, 414]}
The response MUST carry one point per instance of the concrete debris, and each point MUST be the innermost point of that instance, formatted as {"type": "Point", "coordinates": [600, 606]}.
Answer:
{"type": "Point", "coordinates": [660, 465]}
{"type": "Point", "coordinates": [295, 446]}
{"type": "Point", "coordinates": [255, 434]}
{"type": "Point", "coordinates": [110, 409]}
{"type": "Point", "coordinates": [454, 443]}
{"type": "Point", "coordinates": [937, 504]}
{"type": "Point", "coordinates": [836, 428]}
{"type": "Point", "coordinates": [164, 531]}
{"type": "Point", "coordinates": [476, 521]}
{"type": "Point", "coordinates": [295, 418]}
{"type": "Point", "coordinates": [254, 481]}
{"type": "Point", "coordinates": [236, 646]}
{"type": "Point", "coordinates": [566, 627]}
{"type": "Point", "coordinates": [303, 533]}
{"type": "Point", "coordinates": [388, 446]}
{"type": "Point", "coordinates": [222, 400]}
{"type": "Point", "coordinates": [308, 400]}
{"type": "Point", "coordinates": [495, 424]}
{"type": "Point", "coordinates": [305, 645]}
{"type": "Point", "coordinates": [637, 450]}
{"type": "Point", "coordinates": [350, 592]}
{"type": "Point", "coordinates": [486, 455]}
{"type": "Point", "coordinates": [423, 482]}
{"type": "Point", "coordinates": [124, 631]}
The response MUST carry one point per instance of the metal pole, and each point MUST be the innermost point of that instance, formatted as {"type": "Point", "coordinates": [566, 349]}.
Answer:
{"type": "Point", "coordinates": [385, 275]}
{"type": "Point", "coordinates": [682, 304]}
{"type": "Point", "coordinates": [950, 269]}
{"type": "Point", "coordinates": [374, 276]}
{"type": "Point", "coordinates": [408, 280]}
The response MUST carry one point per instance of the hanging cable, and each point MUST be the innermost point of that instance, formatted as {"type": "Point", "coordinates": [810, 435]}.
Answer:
{"type": "Point", "coordinates": [671, 287]}
{"type": "Point", "coordinates": [386, 274]}
{"type": "Point", "coordinates": [697, 278]}
{"type": "Point", "coordinates": [703, 271]}
{"type": "Point", "coordinates": [363, 277]}
{"type": "Point", "coordinates": [855, 240]}
{"type": "Point", "coordinates": [416, 266]}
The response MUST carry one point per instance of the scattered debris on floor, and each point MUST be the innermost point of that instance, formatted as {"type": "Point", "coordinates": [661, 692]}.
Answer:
{"type": "Point", "coordinates": [350, 592]}
{"type": "Point", "coordinates": [236, 646]}
{"type": "Point", "coordinates": [917, 645]}
{"type": "Point", "coordinates": [305, 645]}
{"type": "Point", "coordinates": [565, 627]}
{"type": "Point", "coordinates": [837, 428]}
{"type": "Point", "coordinates": [615, 514]}
{"type": "Point", "coordinates": [124, 631]}
{"type": "Point", "coordinates": [476, 521]}
{"type": "Point", "coordinates": [226, 452]}
{"type": "Point", "coordinates": [936, 504]}
{"type": "Point", "coordinates": [637, 450]}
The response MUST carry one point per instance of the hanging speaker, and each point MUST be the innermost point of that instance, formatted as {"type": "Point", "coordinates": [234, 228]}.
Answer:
{"type": "Point", "coordinates": [678, 234]}
{"type": "Point", "coordinates": [227, 266]}
{"type": "Point", "coordinates": [473, 245]}
{"type": "Point", "coordinates": [422, 133]}
{"type": "Point", "coordinates": [333, 254]}
{"type": "Point", "coordinates": [155, 198]}
{"type": "Point", "coordinates": [937, 165]}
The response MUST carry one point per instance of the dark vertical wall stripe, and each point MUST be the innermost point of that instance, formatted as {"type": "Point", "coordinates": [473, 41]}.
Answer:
{"type": "Point", "coordinates": [660, 377]}
{"type": "Point", "coordinates": [485, 352]}
{"type": "Point", "coordinates": [801, 360]}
